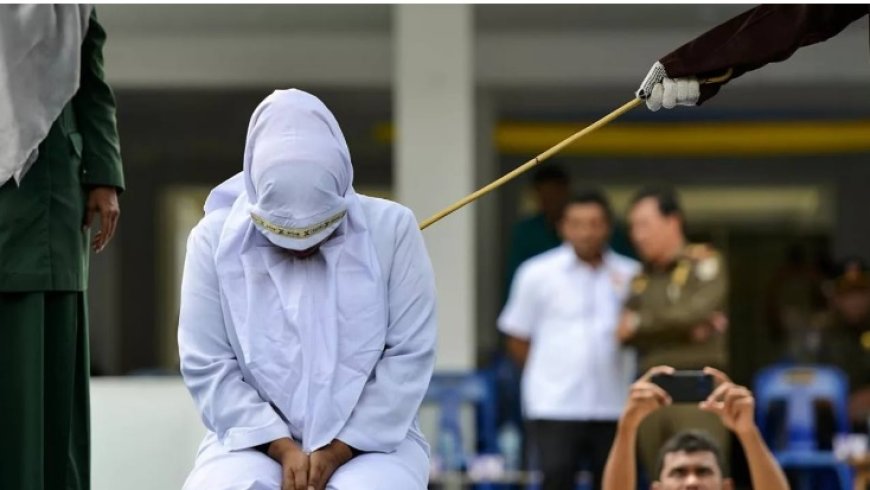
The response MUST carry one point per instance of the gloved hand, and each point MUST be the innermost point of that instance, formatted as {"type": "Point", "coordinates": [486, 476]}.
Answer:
{"type": "Point", "coordinates": [659, 90]}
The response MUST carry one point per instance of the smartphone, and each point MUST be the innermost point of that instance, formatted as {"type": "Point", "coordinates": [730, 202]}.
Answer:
{"type": "Point", "coordinates": [685, 386]}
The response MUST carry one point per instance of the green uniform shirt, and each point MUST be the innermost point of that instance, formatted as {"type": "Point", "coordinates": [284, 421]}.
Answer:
{"type": "Point", "coordinates": [671, 302]}
{"type": "Point", "coordinates": [42, 244]}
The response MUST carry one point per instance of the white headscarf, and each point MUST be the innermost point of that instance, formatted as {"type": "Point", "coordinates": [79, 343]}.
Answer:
{"type": "Point", "coordinates": [297, 170]}
{"type": "Point", "coordinates": [40, 64]}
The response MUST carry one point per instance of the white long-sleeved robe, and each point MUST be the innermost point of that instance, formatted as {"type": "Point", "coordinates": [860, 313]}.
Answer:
{"type": "Point", "coordinates": [238, 414]}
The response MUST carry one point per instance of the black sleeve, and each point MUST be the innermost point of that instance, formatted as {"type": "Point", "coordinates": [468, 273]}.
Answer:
{"type": "Point", "coordinates": [762, 35]}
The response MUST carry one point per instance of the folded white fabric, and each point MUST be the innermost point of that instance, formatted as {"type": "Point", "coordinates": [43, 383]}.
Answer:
{"type": "Point", "coordinates": [40, 65]}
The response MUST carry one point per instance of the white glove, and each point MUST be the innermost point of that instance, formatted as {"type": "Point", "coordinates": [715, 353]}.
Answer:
{"type": "Point", "coordinates": [659, 90]}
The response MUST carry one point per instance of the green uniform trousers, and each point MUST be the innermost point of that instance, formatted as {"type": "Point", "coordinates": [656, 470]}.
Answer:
{"type": "Point", "coordinates": [44, 406]}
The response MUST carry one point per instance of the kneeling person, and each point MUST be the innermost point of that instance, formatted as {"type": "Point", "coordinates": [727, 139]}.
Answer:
{"type": "Point", "coordinates": [307, 323]}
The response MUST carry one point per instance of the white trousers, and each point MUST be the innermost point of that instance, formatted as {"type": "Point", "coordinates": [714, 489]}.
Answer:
{"type": "Point", "coordinates": [217, 468]}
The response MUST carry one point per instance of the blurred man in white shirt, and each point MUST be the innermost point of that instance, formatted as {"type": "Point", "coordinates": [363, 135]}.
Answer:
{"type": "Point", "coordinates": [561, 319]}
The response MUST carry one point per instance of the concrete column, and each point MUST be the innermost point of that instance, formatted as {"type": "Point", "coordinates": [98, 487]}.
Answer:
{"type": "Point", "coordinates": [490, 249]}
{"type": "Point", "coordinates": [433, 82]}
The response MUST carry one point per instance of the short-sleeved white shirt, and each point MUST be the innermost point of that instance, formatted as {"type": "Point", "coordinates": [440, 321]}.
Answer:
{"type": "Point", "coordinates": [569, 311]}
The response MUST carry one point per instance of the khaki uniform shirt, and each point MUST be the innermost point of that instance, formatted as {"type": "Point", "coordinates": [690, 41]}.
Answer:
{"type": "Point", "coordinates": [671, 302]}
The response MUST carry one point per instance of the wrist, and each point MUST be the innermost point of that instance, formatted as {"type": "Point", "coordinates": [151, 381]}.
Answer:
{"type": "Point", "coordinates": [633, 322]}
{"type": "Point", "coordinates": [343, 450]}
{"type": "Point", "coordinates": [279, 447]}
{"type": "Point", "coordinates": [628, 424]}
{"type": "Point", "coordinates": [747, 433]}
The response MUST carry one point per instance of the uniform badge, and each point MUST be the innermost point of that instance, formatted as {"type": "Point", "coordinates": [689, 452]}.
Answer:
{"type": "Point", "coordinates": [707, 269]}
{"type": "Point", "coordinates": [679, 277]}
{"type": "Point", "coordinates": [674, 292]}
{"type": "Point", "coordinates": [681, 273]}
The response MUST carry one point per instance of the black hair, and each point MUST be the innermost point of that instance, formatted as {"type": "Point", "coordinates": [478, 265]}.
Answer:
{"type": "Point", "coordinates": [667, 199]}
{"type": "Point", "coordinates": [591, 196]}
{"type": "Point", "coordinates": [688, 441]}
{"type": "Point", "coordinates": [550, 173]}
{"type": "Point", "coordinates": [665, 196]}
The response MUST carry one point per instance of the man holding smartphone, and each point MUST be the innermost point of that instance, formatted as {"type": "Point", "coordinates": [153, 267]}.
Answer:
{"type": "Point", "coordinates": [691, 459]}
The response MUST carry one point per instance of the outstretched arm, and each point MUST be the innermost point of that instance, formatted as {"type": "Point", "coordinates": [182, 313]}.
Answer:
{"type": "Point", "coordinates": [762, 35]}
{"type": "Point", "coordinates": [735, 405]}
{"type": "Point", "coordinates": [620, 472]}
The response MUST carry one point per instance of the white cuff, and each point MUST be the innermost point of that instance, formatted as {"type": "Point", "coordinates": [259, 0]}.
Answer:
{"type": "Point", "coordinates": [363, 442]}
{"type": "Point", "coordinates": [236, 439]}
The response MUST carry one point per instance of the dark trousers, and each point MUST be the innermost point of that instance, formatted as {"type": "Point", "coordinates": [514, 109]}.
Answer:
{"type": "Point", "coordinates": [44, 408]}
{"type": "Point", "coordinates": [563, 447]}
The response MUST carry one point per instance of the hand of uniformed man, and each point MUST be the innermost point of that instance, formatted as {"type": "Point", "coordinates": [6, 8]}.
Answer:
{"type": "Point", "coordinates": [294, 463]}
{"type": "Point", "coordinates": [627, 327]}
{"type": "Point", "coordinates": [103, 201]}
{"type": "Point", "coordinates": [325, 461]}
{"type": "Point", "coordinates": [715, 325]}
{"type": "Point", "coordinates": [644, 398]}
{"type": "Point", "coordinates": [701, 333]}
{"type": "Point", "coordinates": [719, 322]}
{"type": "Point", "coordinates": [734, 404]}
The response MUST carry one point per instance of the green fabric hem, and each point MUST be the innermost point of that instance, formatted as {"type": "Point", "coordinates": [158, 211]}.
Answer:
{"type": "Point", "coordinates": [23, 282]}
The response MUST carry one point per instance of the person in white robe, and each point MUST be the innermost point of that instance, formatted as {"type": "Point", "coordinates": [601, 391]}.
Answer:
{"type": "Point", "coordinates": [307, 324]}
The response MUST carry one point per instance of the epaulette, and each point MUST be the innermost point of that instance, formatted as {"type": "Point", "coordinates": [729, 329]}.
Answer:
{"type": "Point", "coordinates": [700, 251]}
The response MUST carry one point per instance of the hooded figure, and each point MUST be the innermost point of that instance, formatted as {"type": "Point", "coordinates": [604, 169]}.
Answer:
{"type": "Point", "coordinates": [307, 314]}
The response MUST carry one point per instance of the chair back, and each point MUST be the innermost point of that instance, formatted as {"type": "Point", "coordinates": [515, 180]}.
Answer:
{"type": "Point", "coordinates": [450, 391]}
{"type": "Point", "coordinates": [800, 387]}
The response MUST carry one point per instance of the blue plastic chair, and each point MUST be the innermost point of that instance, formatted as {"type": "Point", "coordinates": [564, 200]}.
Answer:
{"type": "Point", "coordinates": [450, 391]}
{"type": "Point", "coordinates": [799, 387]}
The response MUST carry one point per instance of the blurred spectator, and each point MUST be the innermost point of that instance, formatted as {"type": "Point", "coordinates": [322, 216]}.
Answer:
{"type": "Point", "coordinates": [846, 342]}
{"type": "Point", "coordinates": [674, 313]}
{"type": "Point", "coordinates": [560, 321]}
{"type": "Point", "coordinates": [530, 236]}
{"type": "Point", "coordinates": [795, 300]}
{"type": "Point", "coordinates": [539, 233]}
{"type": "Point", "coordinates": [690, 459]}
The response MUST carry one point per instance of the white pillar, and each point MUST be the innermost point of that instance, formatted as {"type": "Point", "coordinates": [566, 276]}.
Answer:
{"type": "Point", "coordinates": [488, 227]}
{"type": "Point", "coordinates": [433, 79]}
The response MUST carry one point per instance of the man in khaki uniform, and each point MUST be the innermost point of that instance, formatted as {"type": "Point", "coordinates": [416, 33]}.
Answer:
{"type": "Point", "coordinates": [674, 313]}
